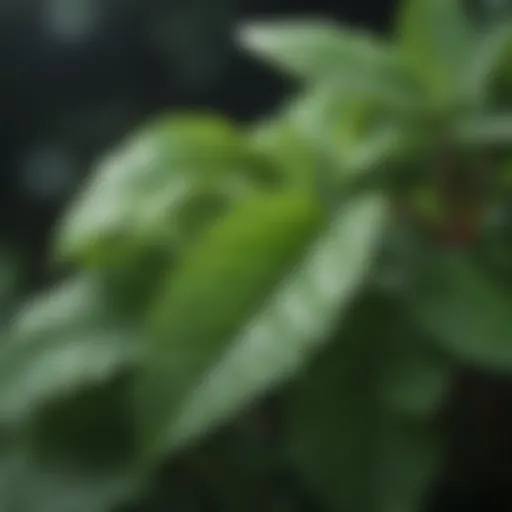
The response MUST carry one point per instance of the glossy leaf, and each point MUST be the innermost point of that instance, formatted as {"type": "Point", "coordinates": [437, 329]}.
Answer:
{"type": "Point", "coordinates": [316, 51]}
{"type": "Point", "coordinates": [467, 314]}
{"type": "Point", "coordinates": [485, 130]}
{"type": "Point", "coordinates": [28, 486]}
{"type": "Point", "coordinates": [289, 151]}
{"type": "Point", "coordinates": [438, 39]}
{"type": "Point", "coordinates": [491, 54]}
{"type": "Point", "coordinates": [287, 326]}
{"type": "Point", "coordinates": [240, 259]}
{"type": "Point", "coordinates": [349, 431]}
{"type": "Point", "coordinates": [353, 136]}
{"type": "Point", "coordinates": [146, 191]}
{"type": "Point", "coordinates": [66, 339]}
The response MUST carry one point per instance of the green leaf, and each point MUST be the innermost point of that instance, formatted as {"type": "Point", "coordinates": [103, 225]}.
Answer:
{"type": "Point", "coordinates": [62, 341]}
{"type": "Point", "coordinates": [416, 378]}
{"type": "Point", "coordinates": [148, 192]}
{"type": "Point", "coordinates": [484, 130]}
{"type": "Point", "coordinates": [354, 136]}
{"type": "Point", "coordinates": [287, 322]}
{"type": "Point", "coordinates": [490, 57]}
{"type": "Point", "coordinates": [285, 148]}
{"type": "Point", "coordinates": [466, 314]}
{"type": "Point", "coordinates": [28, 486]}
{"type": "Point", "coordinates": [349, 430]}
{"type": "Point", "coordinates": [53, 463]}
{"type": "Point", "coordinates": [438, 39]}
{"type": "Point", "coordinates": [320, 50]}
{"type": "Point", "coordinates": [221, 281]}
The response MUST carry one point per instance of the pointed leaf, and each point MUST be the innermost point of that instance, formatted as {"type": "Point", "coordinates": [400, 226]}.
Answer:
{"type": "Point", "coordinates": [354, 136]}
{"type": "Point", "coordinates": [321, 50]}
{"type": "Point", "coordinates": [279, 141]}
{"type": "Point", "coordinates": [485, 130]}
{"type": "Point", "coordinates": [491, 55]}
{"type": "Point", "coordinates": [287, 326]}
{"type": "Point", "coordinates": [148, 190]}
{"type": "Point", "coordinates": [438, 39]}
{"type": "Point", "coordinates": [349, 431]}
{"type": "Point", "coordinates": [466, 314]}
{"type": "Point", "coordinates": [220, 283]}
{"type": "Point", "coordinates": [68, 338]}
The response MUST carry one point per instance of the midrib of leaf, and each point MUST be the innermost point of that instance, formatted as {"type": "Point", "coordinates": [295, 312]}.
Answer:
{"type": "Point", "coordinates": [290, 326]}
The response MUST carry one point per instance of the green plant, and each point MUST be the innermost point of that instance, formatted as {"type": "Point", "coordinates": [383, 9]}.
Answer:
{"type": "Point", "coordinates": [338, 252]}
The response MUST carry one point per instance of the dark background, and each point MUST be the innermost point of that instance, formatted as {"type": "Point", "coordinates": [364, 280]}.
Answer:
{"type": "Point", "coordinates": [78, 74]}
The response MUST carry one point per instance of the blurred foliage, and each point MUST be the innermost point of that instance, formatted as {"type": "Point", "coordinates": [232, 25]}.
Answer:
{"type": "Point", "coordinates": [290, 299]}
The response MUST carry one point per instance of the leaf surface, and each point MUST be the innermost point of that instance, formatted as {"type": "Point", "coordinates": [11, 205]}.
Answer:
{"type": "Point", "coordinates": [465, 312]}
{"type": "Point", "coordinates": [156, 187]}
{"type": "Point", "coordinates": [350, 432]}
{"type": "Point", "coordinates": [66, 339]}
{"type": "Point", "coordinates": [287, 322]}
{"type": "Point", "coordinates": [319, 51]}
{"type": "Point", "coordinates": [438, 39]}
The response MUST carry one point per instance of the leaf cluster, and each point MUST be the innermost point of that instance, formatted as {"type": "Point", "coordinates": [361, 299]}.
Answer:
{"type": "Point", "coordinates": [339, 253]}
